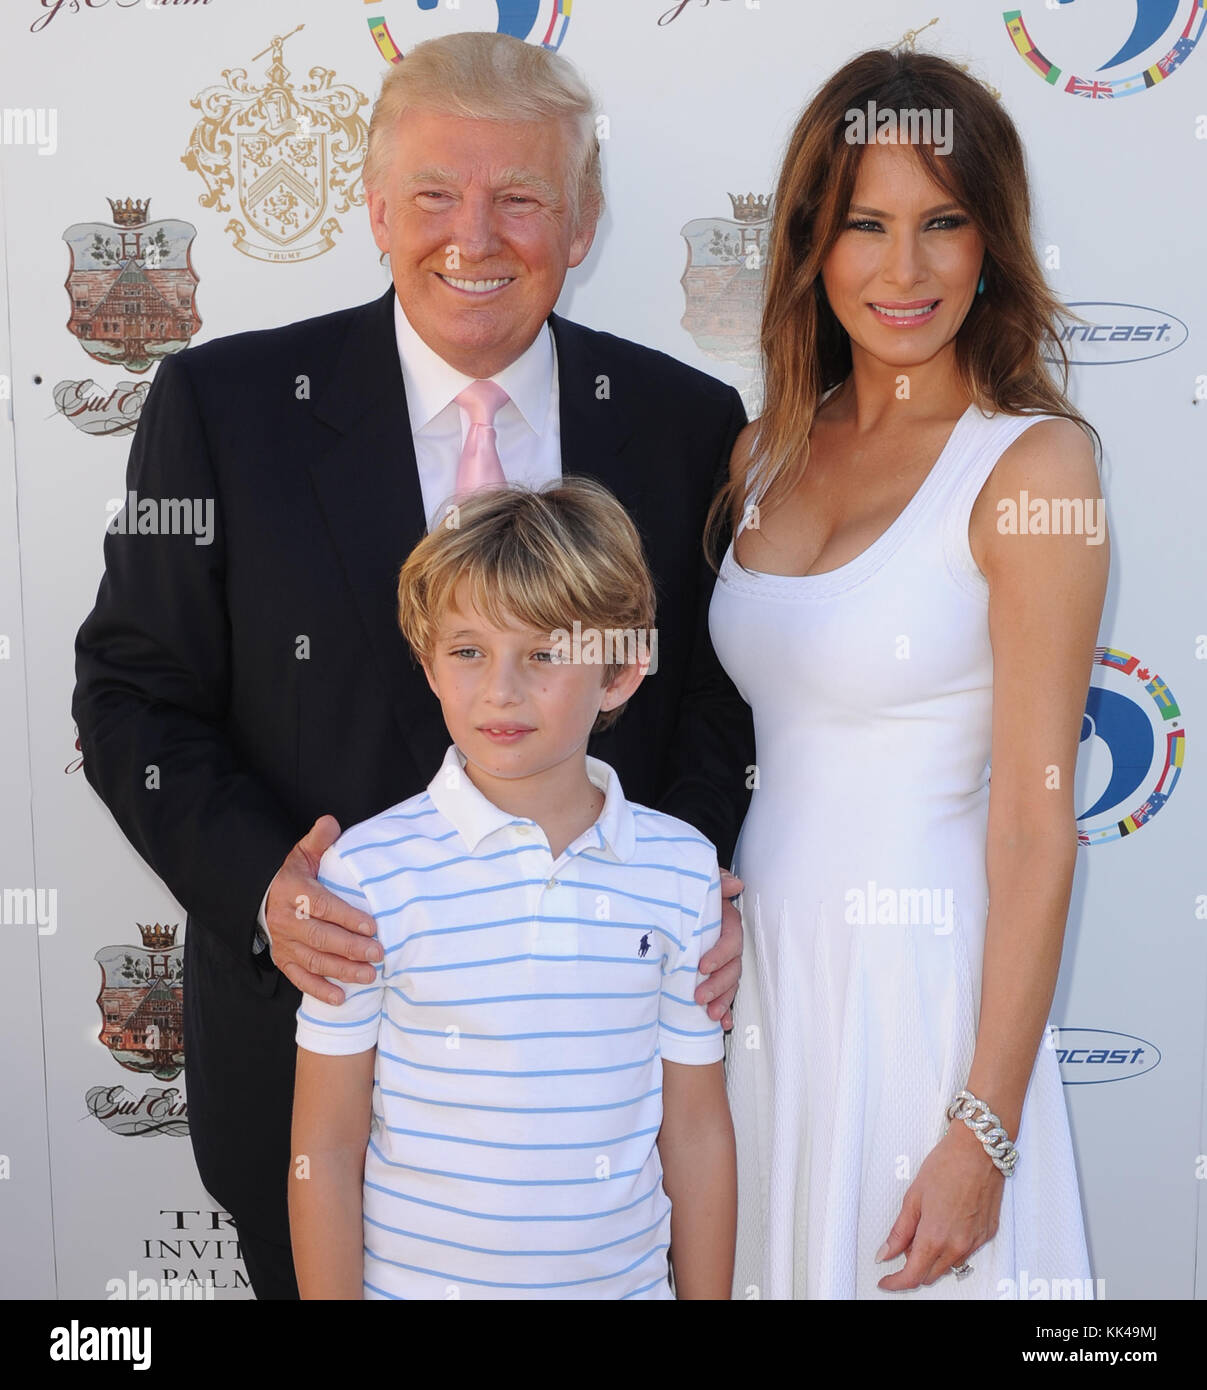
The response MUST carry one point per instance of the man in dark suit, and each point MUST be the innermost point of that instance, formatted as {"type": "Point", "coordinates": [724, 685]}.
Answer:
{"type": "Point", "coordinates": [235, 689]}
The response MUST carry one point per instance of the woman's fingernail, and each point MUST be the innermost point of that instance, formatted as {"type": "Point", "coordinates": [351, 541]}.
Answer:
{"type": "Point", "coordinates": [882, 1253]}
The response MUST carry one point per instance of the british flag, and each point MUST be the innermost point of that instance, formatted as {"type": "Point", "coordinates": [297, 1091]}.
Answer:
{"type": "Point", "coordinates": [1081, 88]}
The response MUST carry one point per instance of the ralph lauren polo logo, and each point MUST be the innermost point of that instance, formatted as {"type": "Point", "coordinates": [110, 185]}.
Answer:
{"type": "Point", "coordinates": [644, 948]}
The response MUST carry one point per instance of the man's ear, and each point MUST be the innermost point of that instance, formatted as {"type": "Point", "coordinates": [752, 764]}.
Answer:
{"type": "Point", "coordinates": [378, 221]}
{"type": "Point", "coordinates": [581, 242]}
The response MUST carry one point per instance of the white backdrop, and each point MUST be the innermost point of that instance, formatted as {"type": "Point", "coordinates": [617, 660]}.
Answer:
{"type": "Point", "coordinates": [699, 99]}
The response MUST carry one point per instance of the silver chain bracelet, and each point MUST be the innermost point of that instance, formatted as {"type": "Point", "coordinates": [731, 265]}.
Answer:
{"type": "Point", "coordinates": [987, 1128]}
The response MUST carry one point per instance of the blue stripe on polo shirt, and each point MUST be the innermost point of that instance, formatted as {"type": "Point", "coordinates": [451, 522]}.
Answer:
{"type": "Point", "coordinates": [448, 863]}
{"type": "Point", "coordinates": [343, 1023]}
{"type": "Point", "coordinates": [600, 924]}
{"type": "Point", "coordinates": [587, 887]}
{"type": "Point", "coordinates": [514, 1254]}
{"type": "Point", "coordinates": [500, 1284]}
{"type": "Point", "coordinates": [506, 991]}
{"type": "Point", "coordinates": [627, 893]}
{"type": "Point", "coordinates": [420, 805]}
{"type": "Point", "coordinates": [645, 962]}
{"type": "Point", "coordinates": [521, 1037]}
{"type": "Point", "coordinates": [666, 868]}
{"type": "Point", "coordinates": [479, 1071]}
{"type": "Point", "coordinates": [340, 889]}
{"type": "Point", "coordinates": [644, 1288]}
{"type": "Point", "coordinates": [525, 1109]}
{"type": "Point", "coordinates": [486, 1178]}
{"type": "Point", "coordinates": [526, 998]}
{"type": "Point", "coordinates": [393, 1297]}
{"type": "Point", "coordinates": [398, 840]}
{"type": "Point", "coordinates": [517, 1216]}
{"type": "Point", "coordinates": [384, 1294]}
{"type": "Point", "coordinates": [498, 1144]}
{"type": "Point", "coordinates": [449, 897]}
{"type": "Point", "coordinates": [693, 1032]}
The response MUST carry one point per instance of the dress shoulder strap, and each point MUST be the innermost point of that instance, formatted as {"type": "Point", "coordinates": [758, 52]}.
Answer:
{"type": "Point", "coordinates": [991, 438]}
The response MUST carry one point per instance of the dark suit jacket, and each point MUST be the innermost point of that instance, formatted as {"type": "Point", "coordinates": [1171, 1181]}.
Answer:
{"type": "Point", "coordinates": [263, 676]}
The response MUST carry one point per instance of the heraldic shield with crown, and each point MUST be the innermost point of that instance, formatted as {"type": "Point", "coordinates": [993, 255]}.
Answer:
{"type": "Point", "coordinates": [132, 286]}
{"type": "Point", "coordinates": [723, 282]}
{"type": "Point", "coordinates": [142, 1002]}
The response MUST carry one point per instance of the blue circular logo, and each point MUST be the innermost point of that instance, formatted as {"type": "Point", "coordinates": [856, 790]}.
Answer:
{"type": "Point", "coordinates": [1135, 738]}
{"type": "Point", "coordinates": [1164, 34]}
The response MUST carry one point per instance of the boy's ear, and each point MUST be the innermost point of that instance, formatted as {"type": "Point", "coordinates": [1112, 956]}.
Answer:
{"type": "Point", "coordinates": [625, 682]}
{"type": "Point", "coordinates": [427, 671]}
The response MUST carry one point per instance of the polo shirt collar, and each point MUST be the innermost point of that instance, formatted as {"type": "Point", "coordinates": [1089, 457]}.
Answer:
{"type": "Point", "coordinates": [474, 817]}
{"type": "Point", "coordinates": [431, 383]}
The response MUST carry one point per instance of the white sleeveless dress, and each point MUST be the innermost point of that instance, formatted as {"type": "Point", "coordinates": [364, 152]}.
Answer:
{"type": "Point", "coordinates": [864, 906]}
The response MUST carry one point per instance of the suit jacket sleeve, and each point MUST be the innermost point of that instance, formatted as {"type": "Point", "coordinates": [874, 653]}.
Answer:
{"type": "Point", "coordinates": [152, 689]}
{"type": "Point", "coordinates": [713, 743]}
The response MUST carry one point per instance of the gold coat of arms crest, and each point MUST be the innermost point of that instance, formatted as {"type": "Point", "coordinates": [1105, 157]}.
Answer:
{"type": "Point", "coordinates": [290, 155]}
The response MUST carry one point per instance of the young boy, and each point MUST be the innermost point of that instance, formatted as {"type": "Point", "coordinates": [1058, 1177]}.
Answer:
{"type": "Point", "coordinates": [527, 1102]}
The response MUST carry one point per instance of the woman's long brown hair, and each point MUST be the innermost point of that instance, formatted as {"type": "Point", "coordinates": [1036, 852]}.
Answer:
{"type": "Point", "coordinates": [1009, 329]}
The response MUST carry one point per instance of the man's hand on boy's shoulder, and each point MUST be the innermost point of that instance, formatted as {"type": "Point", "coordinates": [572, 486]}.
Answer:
{"type": "Point", "coordinates": [722, 963]}
{"type": "Point", "coordinates": [314, 932]}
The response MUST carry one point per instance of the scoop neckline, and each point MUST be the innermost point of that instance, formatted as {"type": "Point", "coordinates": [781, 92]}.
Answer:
{"type": "Point", "coordinates": [868, 558]}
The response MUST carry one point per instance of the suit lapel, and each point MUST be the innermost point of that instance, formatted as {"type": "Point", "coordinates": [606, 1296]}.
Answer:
{"type": "Point", "coordinates": [367, 485]}
{"type": "Point", "coordinates": [596, 422]}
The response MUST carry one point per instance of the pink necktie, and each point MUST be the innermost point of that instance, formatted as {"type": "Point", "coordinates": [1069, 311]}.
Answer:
{"type": "Point", "coordinates": [480, 466]}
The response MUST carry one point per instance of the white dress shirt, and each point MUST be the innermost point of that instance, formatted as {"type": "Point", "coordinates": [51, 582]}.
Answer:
{"type": "Point", "coordinates": [528, 433]}
{"type": "Point", "coordinates": [527, 430]}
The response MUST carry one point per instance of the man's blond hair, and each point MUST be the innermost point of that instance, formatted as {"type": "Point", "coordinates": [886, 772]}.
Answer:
{"type": "Point", "coordinates": [546, 558]}
{"type": "Point", "coordinates": [492, 77]}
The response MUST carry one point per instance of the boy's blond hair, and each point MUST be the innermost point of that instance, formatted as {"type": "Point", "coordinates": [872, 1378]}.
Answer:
{"type": "Point", "coordinates": [546, 558]}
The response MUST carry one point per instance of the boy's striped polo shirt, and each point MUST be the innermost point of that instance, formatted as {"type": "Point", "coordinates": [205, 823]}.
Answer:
{"type": "Point", "coordinates": [521, 1016]}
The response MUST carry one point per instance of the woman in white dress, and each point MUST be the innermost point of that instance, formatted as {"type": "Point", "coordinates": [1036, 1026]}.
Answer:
{"type": "Point", "coordinates": [897, 627]}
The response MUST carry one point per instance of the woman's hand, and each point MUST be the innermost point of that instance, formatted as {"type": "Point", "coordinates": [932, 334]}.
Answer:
{"type": "Point", "coordinates": [723, 964]}
{"type": "Point", "coordinates": [950, 1210]}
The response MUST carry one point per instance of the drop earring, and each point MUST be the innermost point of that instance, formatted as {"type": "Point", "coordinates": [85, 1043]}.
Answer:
{"type": "Point", "coordinates": [980, 289]}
